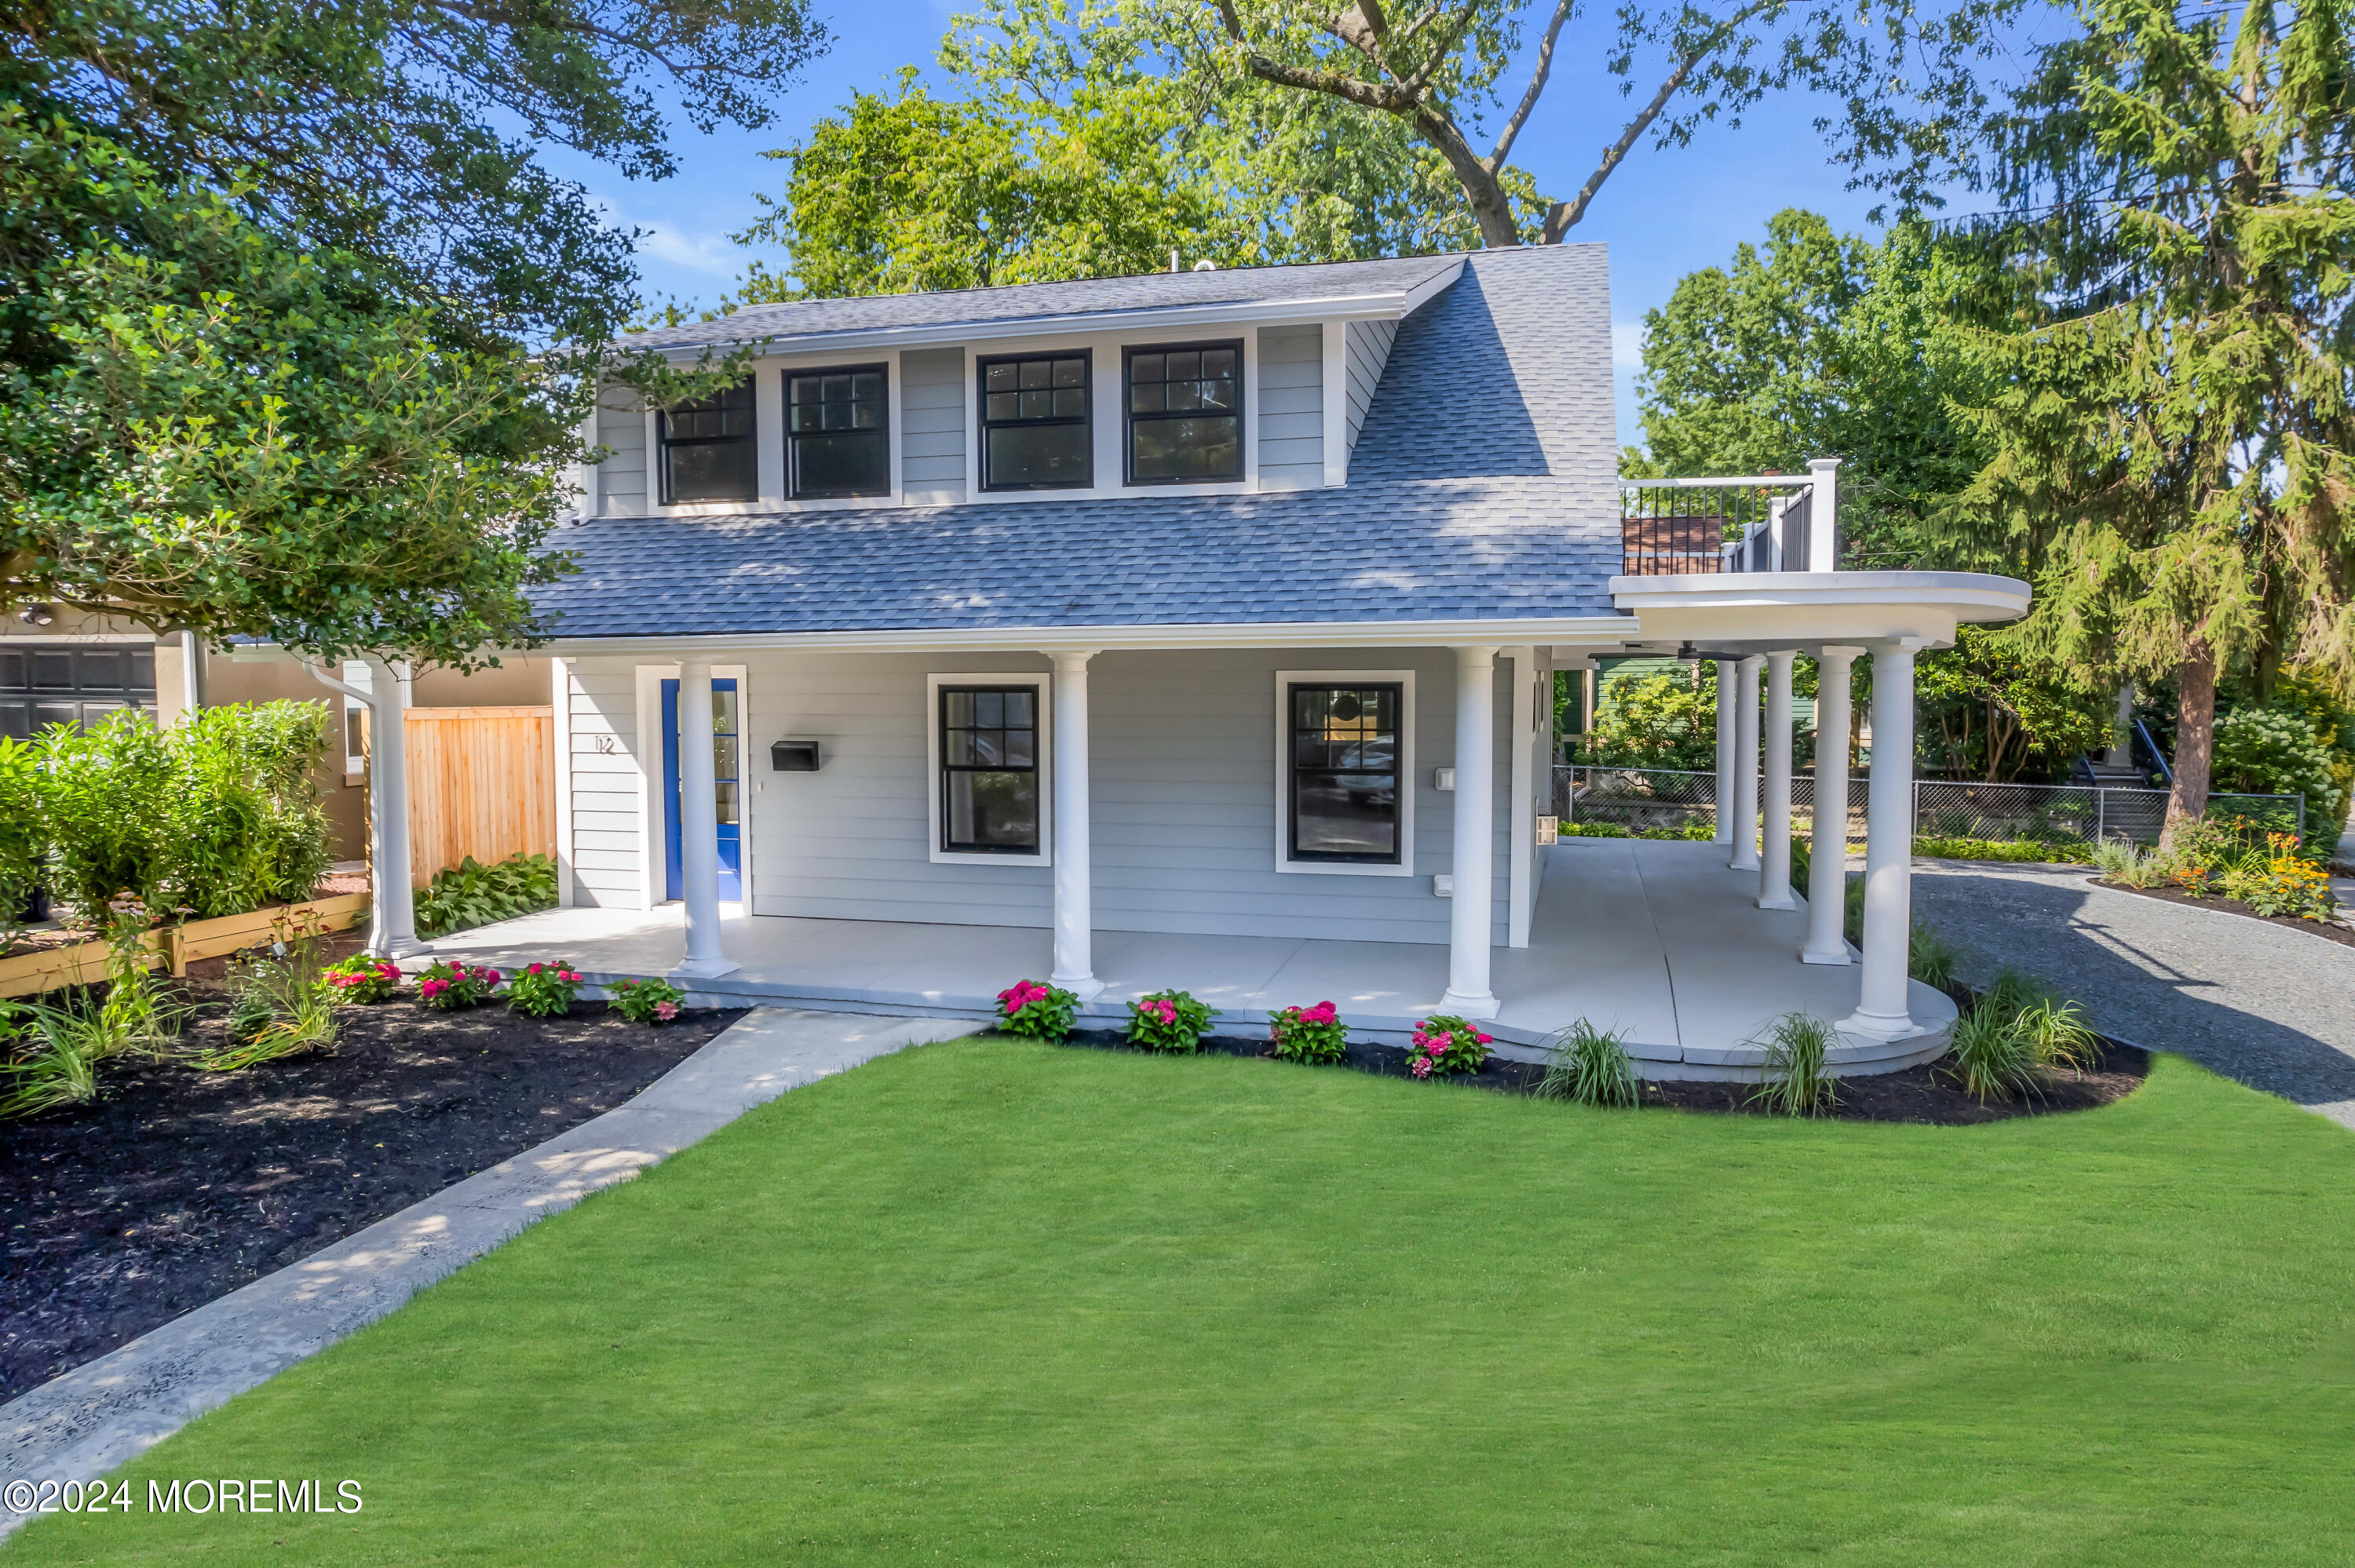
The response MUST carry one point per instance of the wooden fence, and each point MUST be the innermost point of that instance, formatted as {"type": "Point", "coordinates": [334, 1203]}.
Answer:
{"type": "Point", "coordinates": [482, 782]}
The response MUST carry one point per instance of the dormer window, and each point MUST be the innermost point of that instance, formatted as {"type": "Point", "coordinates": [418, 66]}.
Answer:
{"type": "Point", "coordinates": [708, 453]}
{"type": "Point", "coordinates": [1185, 413]}
{"type": "Point", "coordinates": [1034, 429]}
{"type": "Point", "coordinates": [838, 433]}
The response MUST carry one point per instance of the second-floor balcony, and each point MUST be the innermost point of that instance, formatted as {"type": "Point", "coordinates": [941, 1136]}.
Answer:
{"type": "Point", "coordinates": [1762, 522]}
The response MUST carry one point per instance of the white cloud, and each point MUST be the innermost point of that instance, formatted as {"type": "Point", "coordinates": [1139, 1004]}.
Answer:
{"type": "Point", "coordinates": [712, 253]}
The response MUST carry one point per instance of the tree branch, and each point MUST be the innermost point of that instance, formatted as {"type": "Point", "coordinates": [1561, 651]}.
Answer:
{"type": "Point", "coordinates": [1536, 85]}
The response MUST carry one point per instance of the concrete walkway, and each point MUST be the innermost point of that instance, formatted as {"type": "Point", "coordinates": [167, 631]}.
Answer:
{"type": "Point", "coordinates": [2269, 1006]}
{"type": "Point", "coordinates": [84, 1424]}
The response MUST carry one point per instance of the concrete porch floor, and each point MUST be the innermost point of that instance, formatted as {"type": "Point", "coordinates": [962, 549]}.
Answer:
{"type": "Point", "coordinates": [1656, 938]}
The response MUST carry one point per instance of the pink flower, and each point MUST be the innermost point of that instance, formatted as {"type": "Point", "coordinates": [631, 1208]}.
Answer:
{"type": "Point", "coordinates": [534, 970]}
{"type": "Point", "coordinates": [433, 987]}
{"type": "Point", "coordinates": [567, 977]}
{"type": "Point", "coordinates": [666, 1011]}
{"type": "Point", "coordinates": [1487, 1039]}
{"type": "Point", "coordinates": [488, 977]}
{"type": "Point", "coordinates": [1422, 1068]}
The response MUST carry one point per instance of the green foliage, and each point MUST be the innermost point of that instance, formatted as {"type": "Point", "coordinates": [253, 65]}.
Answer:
{"type": "Point", "coordinates": [471, 894]}
{"type": "Point", "coordinates": [1794, 1079]}
{"type": "Point", "coordinates": [1167, 1020]}
{"type": "Point", "coordinates": [1446, 1045]}
{"type": "Point", "coordinates": [1932, 959]}
{"type": "Point", "coordinates": [2063, 852]}
{"type": "Point", "coordinates": [1590, 1066]}
{"type": "Point", "coordinates": [1992, 1056]}
{"type": "Point", "coordinates": [20, 838]}
{"type": "Point", "coordinates": [451, 985]}
{"type": "Point", "coordinates": [2015, 1033]}
{"type": "Point", "coordinates": [1037, 1010]}
{"type": "Point", "coordinates": [544, 989]}
{"type": "Point", "coordinates": [2266, 751]}
{"type": "Point", "coordinates": [649, 1001]}
{"type": "Point", "coordinates": [2000, 713]}
{"type": "Point", "coordinates": [1313, 1034]}
{"type": "Point", "coordinates": [361, 981]}
{"type": "Point", "coordinates": [281, 1004]}
{"type": "Point", "coordinates": [1595, 831]}
{"type": "Point", "coordinates": [1654, 721]}
{"type": "Point", "coordinates": [54, 1059]}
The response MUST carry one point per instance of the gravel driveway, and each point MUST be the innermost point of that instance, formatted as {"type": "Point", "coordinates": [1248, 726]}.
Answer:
{"type": "Point", "coordinates": [2267, 1004]}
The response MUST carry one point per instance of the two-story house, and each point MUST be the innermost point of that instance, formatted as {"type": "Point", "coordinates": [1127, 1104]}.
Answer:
{"type": "Point", "coordinates": [1206, 618]}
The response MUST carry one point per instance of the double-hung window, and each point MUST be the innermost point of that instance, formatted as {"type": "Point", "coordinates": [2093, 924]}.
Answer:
{"type": "Point", "coordinates": [1036, 433]}
{"type": "Point", "coordinates": [838, 433]}
{"type": "Point", "coordinates": [708, 453]}
{"type": "Point", "coordinates": [1344, 766]}
{"type": "Point", "coordinates": [989, 797]}
{"type": "Point", "coordinates": [1185, 413]}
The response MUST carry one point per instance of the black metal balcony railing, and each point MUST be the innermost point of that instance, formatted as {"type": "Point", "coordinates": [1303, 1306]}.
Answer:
{"type": "Point", "coordinates": [1670, 527]}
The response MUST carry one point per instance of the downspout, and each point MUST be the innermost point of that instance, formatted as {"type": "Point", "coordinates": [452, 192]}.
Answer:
{"type": "Point", "coordinates": [392, 900]}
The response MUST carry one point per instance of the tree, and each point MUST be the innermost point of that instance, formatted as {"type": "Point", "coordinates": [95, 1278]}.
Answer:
{"type": "Point", "coordinates": [1094, 141]}
{"type": "Point", "coordinates": [2175, 451]}
{"type": "Point", "coordinates": [1990, 713]}
{"type": "Point", "coordinates": [1905, 77]}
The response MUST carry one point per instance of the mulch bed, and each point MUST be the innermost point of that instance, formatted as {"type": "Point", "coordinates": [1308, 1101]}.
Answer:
{"type": "Point", "coordinates": [181, 1185]}
{"type": "Point", "coordinates": [1927, 1094]}
{"type": "Point", "coordinates": [2329, 930]}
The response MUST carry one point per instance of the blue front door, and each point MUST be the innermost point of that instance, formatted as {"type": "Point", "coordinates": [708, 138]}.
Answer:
{"type": "Point", "coordinates": [728, 788]}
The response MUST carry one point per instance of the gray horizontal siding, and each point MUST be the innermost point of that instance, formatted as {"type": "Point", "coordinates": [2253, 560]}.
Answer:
{"type": "Point", "coordinates": [608, 826]}
{"type": "Point", "coordinates": [1368, 346]}
{"type": "Point", "coordinates": [622, 478]}
{"type": "Point", "coordinates": [1291, 408]}
{"type": "Point", "coordinates": [932, 425]}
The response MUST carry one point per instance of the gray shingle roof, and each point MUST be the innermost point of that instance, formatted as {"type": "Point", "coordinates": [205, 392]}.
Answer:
{"type": "Point", "coordinates": [1484, 486]}
{"type": "Point", "coordinates": [1026, 302]}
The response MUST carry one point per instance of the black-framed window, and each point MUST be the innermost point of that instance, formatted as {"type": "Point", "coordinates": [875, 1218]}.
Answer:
{"type": "Point", "coordinates": [837, 432]}
{"type": "Point", "coordinates": [707, 450]}
{"type": "Point", "coordinates": [1345, 781]}
{"type": "Point", "coordinates": [1036, 431]}
{"type": "Point", "coordinates": [989, 769]}
{"type": "Point", "coordinates": [1186, 413]}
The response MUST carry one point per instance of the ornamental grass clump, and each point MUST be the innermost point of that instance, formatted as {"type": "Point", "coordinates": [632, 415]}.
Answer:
{"type": "Point", "coordinates": [648, 1001]}
{"type": "Point", "coordinates": [1445, 1045]}
{"type": "Point", "coordinates": [1037, 1011]}
{"type": "Point", "coordinates": [544, 989]}
{"type": "Point", "coordinates": [1312, 1034]}
{"type": "Point", "coordinates": [53, 1057]}
{"type": "Point", "coordinates": [1993, 1056]}
{"type": "Point", "coordinates": [1167, 1020]}
{"type": "Point", "coordinates": [1931, 958]}
{"type": "Point", "coordinates": [281, 1005]}
{"type": "Point", "coordinates": [1798, 1080]}
{"type": "Point", "coordinates": [361, 981]}
{"type": "Point", "coordinates": [452, 986]}
{"type": "Point", "coordinates": [1590, 1066]}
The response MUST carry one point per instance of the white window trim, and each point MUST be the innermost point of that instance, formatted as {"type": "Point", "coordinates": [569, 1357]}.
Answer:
{"type": "Point", "coordinates": [656, 799]}
{"type": "Point", "coordinates": [769, 444]}
{"type": "Point", "coordinates": [1404, 680]}
{"type": "Point", "coordinates": [1038, 679]}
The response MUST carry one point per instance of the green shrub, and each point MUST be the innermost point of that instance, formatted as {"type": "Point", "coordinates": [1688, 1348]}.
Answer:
{"type": "Point", "coordinates": [1590, 1066]}
{"type": "Point", "coordinates": [361, 981]}
{"type": "Point", "coordinates": [1446, 1045]}
{"type": "Point", "coordinates": [1037, 1010]}
{"type": "Point", "coordinates": [544, 989]}
{"type": "Point", "coordinates": [1593, 830]}
{"type": "Point", "coordinates": [2063, 851]}
{"type": "Point", "coordinates": [471, 894]}
{"type": "Point", "coordinates": [1993, 1054]}
{"type": "Point", "coordinates": [1688, 831]}
{"type": "Point", "coordinates": [648, 1001]}
{"type": "Point", "coordinates": [452, 986]}
{"type": "Point", "coordinates": [1167, 1020]}
{"type": "Point", "coordinates": [281, 1005]}
{"type": "Point", "coordinates": [1932, 959]}
{"type": "Point", "coordinates": [104, 816]}
{"type": "Point", "coordinates": [2266, 751]}
{"type": "Point", "coordinates": [1797, 1080]}
{"type": "Point", "coordinates": [20, 839]}
{"type": "Point", "coordinates": [1313, 1034]}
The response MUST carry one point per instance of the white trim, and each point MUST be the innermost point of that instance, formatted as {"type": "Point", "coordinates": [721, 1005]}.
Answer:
{"type": "Point", "coordinates": [1907, 590]}
{"type": "Point", "coordinates": [1408, 780]}
{"type": "Point", "coordinates": [1608, 632]}
{"type": "Point", "coordinates": [1250, 409]}
{"type": "Point", "coordinates": [653, 804]}
{"type": "Point", "coordinates": [1043, 758]}
{"type": "Point", "coordinates": [560, 709]}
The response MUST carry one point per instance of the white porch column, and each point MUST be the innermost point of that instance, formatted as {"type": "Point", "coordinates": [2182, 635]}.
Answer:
{"type": "Point", "coordinates": [392, 900]}
{"type": "Point", "coordinates": [1775, 861]}
{"type": "Point", "coordinates": [698, 826]}
{"type": "Point", "coordinates": [1745, 768]}
{"type": "Point", "coordinates": [1728, 678]}
{"type": "Point", "coordinates": [1881, 1009]}
{"type": "Point", "coordinates": [1827, 844]}
{"type": "Point", "coordinates": [1074, 912]}
{"type": "Point", "coordinates": [1469, 920]}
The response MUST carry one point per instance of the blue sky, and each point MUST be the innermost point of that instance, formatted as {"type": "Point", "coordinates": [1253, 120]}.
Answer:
{"type": "Point", "coordinates": [1664, 213]}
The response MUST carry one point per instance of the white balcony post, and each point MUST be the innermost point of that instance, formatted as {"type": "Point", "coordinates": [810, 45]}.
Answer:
{"type": "Point", "coordinates": [1827, 844]}
{"type": "Point", "coordinates": [1745, 769]}
{"type": "Point", "coordinates": [1823, 513]}
{"type": "Point", "coordinates": [1774, 859]}
{"type": "Point", "coordinates": [1470, 926]}
{"type": "Point", "coordinates": [1883, 1012]}
{"type": "Point", "coordinates": [1729, 678]}
{"type": "Point", "coordinates": [1074, 967]}
{"type": "Point", "coordinates": [698, 826]}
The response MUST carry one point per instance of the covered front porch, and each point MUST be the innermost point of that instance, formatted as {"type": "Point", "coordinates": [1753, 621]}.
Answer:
{"type": "Point", "coordinates": [1660, 940]}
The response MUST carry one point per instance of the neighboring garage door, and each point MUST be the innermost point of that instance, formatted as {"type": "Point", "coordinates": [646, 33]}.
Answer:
{"type": "Point", "coordinates": [42, 683]}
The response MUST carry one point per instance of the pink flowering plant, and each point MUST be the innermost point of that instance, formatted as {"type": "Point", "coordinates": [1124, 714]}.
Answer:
{"type": "Point", "coordinates": [1444, 1045]}
{"type": "Point", "coordinates": [1167, 1020]}
{"type": "Point", "coordinates": [651, 1002]}
{"type": "Point", "coordinates": [1309, 1034]}
{"type": "Point", "coordinates": [545, 990]}
{"type": "Point", "coordinates": [361, 979]}
{"type": "Point", "coordinates": [1037, 1010]}
{"type": "Point", "coordinates": [450, 985]}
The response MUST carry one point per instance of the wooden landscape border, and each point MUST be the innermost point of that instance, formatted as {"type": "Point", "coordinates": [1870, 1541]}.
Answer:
{"type": "Point", "coordinates": [173, 948]}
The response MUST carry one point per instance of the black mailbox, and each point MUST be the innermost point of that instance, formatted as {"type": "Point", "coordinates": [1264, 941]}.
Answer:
{"type": "Point", "coordinates": [794, 755]}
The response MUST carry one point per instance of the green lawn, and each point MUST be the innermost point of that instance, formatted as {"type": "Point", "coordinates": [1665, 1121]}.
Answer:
{"type": "Point", "coordinates": [998, 1302]}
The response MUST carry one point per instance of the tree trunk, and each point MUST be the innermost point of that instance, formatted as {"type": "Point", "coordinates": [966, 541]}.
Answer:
{"type": "Point", "coordinates": [2195, 739]}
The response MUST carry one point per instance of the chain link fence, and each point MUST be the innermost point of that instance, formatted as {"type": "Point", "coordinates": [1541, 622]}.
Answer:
{"type": "Point", "coordinates": [1642, 797]}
